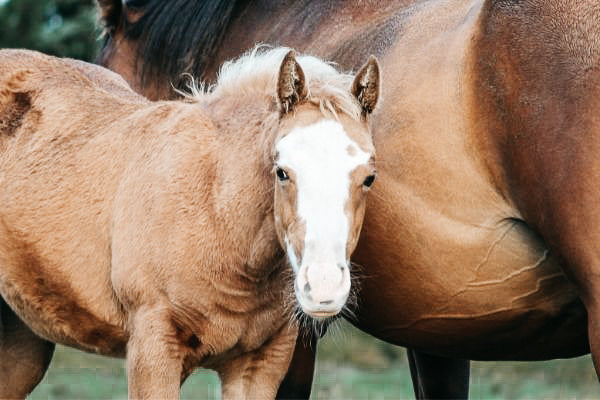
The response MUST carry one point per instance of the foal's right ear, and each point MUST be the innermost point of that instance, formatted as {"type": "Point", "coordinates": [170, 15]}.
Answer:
{"type": "Point", "coordinates": [291, 83]}
{"type": "Point", "coordinates": [366, 86]}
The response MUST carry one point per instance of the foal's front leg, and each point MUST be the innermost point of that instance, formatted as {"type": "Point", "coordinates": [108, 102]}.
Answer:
{"type": "Point", "coordinates": [257, 374]}
{"type": "Point", "coordinates": [154, 356]}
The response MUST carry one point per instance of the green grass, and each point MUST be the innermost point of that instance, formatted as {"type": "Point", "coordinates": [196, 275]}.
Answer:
{"type": "Point", "coordinates": [350, 365]}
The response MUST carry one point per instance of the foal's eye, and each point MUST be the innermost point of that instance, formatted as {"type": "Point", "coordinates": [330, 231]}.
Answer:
{"type": "Point", "coordinates": [282, 175]}
{"type": "Point", "coordinates": [369, 180]}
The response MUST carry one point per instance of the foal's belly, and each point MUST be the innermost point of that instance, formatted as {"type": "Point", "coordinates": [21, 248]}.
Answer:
{"type": "Point", "coordinates": [488, 291]}
{"type": "Point", "coordinates": [45, 299]}
{"type": "Point", "coordinates": [66, 323]}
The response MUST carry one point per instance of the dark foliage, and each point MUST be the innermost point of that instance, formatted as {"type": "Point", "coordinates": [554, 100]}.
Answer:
{"type": "Point", "coordinates": [65, 28]}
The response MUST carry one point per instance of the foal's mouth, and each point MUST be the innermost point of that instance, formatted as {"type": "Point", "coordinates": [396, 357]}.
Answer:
{"type": "Point", "coordinates": [321, 311]}
{"type": "Point", "coordinates": [323, 314]}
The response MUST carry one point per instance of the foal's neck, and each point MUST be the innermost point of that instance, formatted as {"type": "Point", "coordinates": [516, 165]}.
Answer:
{"type": "Point", "coordinates": [245, 134]}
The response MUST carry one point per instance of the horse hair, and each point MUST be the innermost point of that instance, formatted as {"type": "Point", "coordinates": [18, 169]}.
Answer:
{"type": "Point", "coordinates": [166, 49]}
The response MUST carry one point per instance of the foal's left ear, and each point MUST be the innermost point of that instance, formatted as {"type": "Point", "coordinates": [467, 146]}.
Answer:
{"type": "Point", "coordinates": [366, 86]}
{"type": "Point", "coordinates": [291, 84]}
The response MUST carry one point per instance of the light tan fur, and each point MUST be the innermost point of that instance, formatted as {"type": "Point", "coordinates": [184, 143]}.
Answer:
{"type": "Point", "coordinates": [144, 229]}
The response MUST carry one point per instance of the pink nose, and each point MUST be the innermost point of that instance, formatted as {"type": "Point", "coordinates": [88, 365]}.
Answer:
{"type": "Point", "coordinates": [323, 288]}
{"type": "Point", "coordinates": [323, 282]}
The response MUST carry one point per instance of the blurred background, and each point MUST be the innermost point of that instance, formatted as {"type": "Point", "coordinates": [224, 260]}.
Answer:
{"type": "Point", "coordinates": [350, 365]}
{"type": "Point", "coordinates": [66, 28]}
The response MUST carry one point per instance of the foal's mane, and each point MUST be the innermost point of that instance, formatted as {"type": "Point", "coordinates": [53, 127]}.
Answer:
{"type": "Point", "coordinates": [256, 73]}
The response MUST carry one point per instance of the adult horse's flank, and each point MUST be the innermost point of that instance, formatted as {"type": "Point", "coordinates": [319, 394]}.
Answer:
{"type": "Point", "coordinates": [158, 230]}
{"type": "Point", "coordinates": [481, 240]}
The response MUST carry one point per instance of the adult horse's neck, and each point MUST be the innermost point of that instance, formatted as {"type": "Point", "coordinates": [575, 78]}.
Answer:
{"type": "Point", "coordinates": [151, 48]}
{"type": "Point", "coordinates": [344, 31]}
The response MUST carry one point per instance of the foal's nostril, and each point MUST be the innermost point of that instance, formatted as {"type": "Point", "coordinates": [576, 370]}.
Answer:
{"type": "Point", "coordinates": [306, 288]}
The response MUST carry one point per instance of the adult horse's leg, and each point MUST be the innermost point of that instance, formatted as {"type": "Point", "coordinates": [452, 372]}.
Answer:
{"type": "Point", "coordinates": [436, 377]}
{"type": "Point", "coordinates": [24, 356]}
{"type": "Point", "coordinates": [297, 383]}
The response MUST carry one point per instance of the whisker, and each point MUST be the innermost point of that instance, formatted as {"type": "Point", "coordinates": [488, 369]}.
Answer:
{"type": "Point", "coordinates": [358, 271]}
{"type": "Point", "coordinates": [349, 314]}
{"type": "Point", "coordinates": [336, 333]}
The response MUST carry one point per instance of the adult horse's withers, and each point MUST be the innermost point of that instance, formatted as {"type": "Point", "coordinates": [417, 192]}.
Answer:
{"type": "Point", "coordinates": [479, 239]}
{"type": "Point", "coordinates": [159, 231]}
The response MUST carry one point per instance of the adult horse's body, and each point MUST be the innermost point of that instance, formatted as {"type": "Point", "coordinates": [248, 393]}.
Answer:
{"type": "Point", "coordinates": [157, 230]}
{"type": "Point", "coordinates": [480, 240]}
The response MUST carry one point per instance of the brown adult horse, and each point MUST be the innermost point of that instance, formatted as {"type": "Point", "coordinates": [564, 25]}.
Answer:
{"type": "Point", "coordinates": [157, 230]}
{"type": "Point", "coordinates": [480, 240]}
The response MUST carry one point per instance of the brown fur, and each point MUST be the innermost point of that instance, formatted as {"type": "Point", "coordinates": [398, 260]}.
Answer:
{"type": "Point", "coordinates": [140, 229]}
{"type": "Point", "coordinates": [480, 236]}
{"type": "Point", "coordinates": [292, 90]}
{"type": "Point", "coordinates": [366, 86]}
{"type": "Point", "coordinates": [22, 364]}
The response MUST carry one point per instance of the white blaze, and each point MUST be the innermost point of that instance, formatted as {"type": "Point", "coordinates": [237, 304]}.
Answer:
{"type": "Point", "coordinates": [319, 157]}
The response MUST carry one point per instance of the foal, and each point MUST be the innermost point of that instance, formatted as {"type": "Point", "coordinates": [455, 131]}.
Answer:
{"type": "Point", "coordinates": [158, 231]}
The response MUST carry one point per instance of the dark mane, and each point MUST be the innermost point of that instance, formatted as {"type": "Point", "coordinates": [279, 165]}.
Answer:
{"type": "Point", "coordinates": [175, 37]}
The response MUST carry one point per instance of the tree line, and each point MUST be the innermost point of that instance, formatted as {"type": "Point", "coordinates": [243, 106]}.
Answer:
{"type": "Point", "coordinates": [65, 28]}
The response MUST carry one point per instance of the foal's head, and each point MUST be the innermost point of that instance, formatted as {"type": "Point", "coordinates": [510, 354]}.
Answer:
{"type": "Point", "coordinates": [323, 169]}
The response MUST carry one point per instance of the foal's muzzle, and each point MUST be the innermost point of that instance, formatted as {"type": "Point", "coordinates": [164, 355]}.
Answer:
{"type": "Point", "coordinates": [322, 289]}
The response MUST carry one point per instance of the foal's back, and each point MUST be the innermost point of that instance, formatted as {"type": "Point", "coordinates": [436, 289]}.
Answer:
{"type": "Point", "coordinates": [24, 71]}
